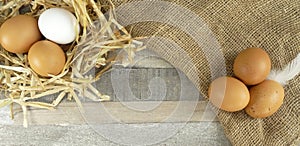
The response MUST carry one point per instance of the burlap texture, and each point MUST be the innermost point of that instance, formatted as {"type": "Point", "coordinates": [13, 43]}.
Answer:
{"type": "Point", "coordinates": [237, 24]}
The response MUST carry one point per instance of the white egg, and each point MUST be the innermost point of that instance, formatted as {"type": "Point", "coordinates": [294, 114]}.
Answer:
{"type": "Point", "coordinates": [58, 25]}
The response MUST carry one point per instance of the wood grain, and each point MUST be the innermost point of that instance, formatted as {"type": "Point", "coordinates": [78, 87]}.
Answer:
{"type": "Point", "coordinates": [120, 112]}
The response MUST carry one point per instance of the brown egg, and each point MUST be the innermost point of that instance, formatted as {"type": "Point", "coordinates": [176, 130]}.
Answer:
{"type": "Point", "coordinates": [228, 94]}
{"type": "Point", "coordinates": [46, 57]}
{"type": "Point", "coordinates": [252, 66]}
{"type": "Point", "coordinates": [18, 33]}
{"type": "Point", "coordinates": [265, 99]}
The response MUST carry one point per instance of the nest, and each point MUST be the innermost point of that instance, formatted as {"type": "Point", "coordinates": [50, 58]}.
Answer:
{"type": "Point", "coordinates": [101, 35]}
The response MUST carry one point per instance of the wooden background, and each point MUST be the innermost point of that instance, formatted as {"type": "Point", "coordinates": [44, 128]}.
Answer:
{"type": "Point", "coordinates": [147, 78]}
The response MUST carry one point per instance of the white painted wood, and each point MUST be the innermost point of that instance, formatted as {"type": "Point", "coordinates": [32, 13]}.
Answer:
{"type": "Point", "coordinates": [70, 114]}
{"type": "Point", "coordinates": [193, 134]}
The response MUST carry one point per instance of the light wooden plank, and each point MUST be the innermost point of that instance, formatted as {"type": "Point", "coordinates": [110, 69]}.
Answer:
{"type": "Point", "coordinates": [192, 134]}
{"type": "Point", "coordinates": [116, 112]}
{"type": "Point", "coordinates": [148, 84]}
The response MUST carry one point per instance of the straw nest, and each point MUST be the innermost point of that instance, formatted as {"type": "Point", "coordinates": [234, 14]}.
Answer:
{"type": "Point", "coordinates": [100, 35]}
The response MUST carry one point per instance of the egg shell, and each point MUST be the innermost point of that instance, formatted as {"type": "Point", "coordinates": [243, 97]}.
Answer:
{"type": "Point", "coordinates": [228, 94]}
{"type": "Point", "coordinates": [46, 57]}
{"type": "Point", "coordinates": [18, 33]}
{"type": "Point", "coordinates": [252, 66]}
{"type": "Point", "coordinates": [265, 99]}
{"type": "Point", "coordinates": [58, 25]}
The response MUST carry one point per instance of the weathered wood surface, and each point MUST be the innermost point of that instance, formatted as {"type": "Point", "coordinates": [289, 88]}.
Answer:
{"type": "Point", "coordinates": [153, 84]}
{"type": "Point", "coordinates": [149, 75]}
{"type": "Point", "coordinates": [193, 134]}
{"type": "Point", "coordinates": [117, 112]}
{"type": "Point", "coordinates": [150, 78]}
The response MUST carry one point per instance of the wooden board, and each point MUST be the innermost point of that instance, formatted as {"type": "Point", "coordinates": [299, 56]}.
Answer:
{"type": "Point", "coordinates": [144, 84]}
{"type": "Point", "coordinates": [117, 112]}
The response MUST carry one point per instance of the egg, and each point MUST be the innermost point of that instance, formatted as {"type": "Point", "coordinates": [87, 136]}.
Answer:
{"type": "Point", "coordinates": [58, 25]}
{"type": "Point", "coordinates": [252, 66]}
{"type": "Point", "coordinates": [265, 99]}
{"type": "Point", "coordinates": [18, 33]}
{"type": "Point", "coordinates": [228, 94]}
{"type": "Point", "coordinates": [46, 57]}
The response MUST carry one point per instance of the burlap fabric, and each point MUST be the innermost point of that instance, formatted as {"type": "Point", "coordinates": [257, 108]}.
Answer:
{"type": "Point", "coordinates": [237, 24]}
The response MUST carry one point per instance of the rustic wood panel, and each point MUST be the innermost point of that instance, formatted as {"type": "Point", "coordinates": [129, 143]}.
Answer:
{"type": "Point", "coordinates": [66, 125]}
{"type": "Point", "coordinates": [193, 134]}
{"type": "Point", "coordinates": [116, 112]}
{"type": "Point", "coordinates": [144, 84]}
